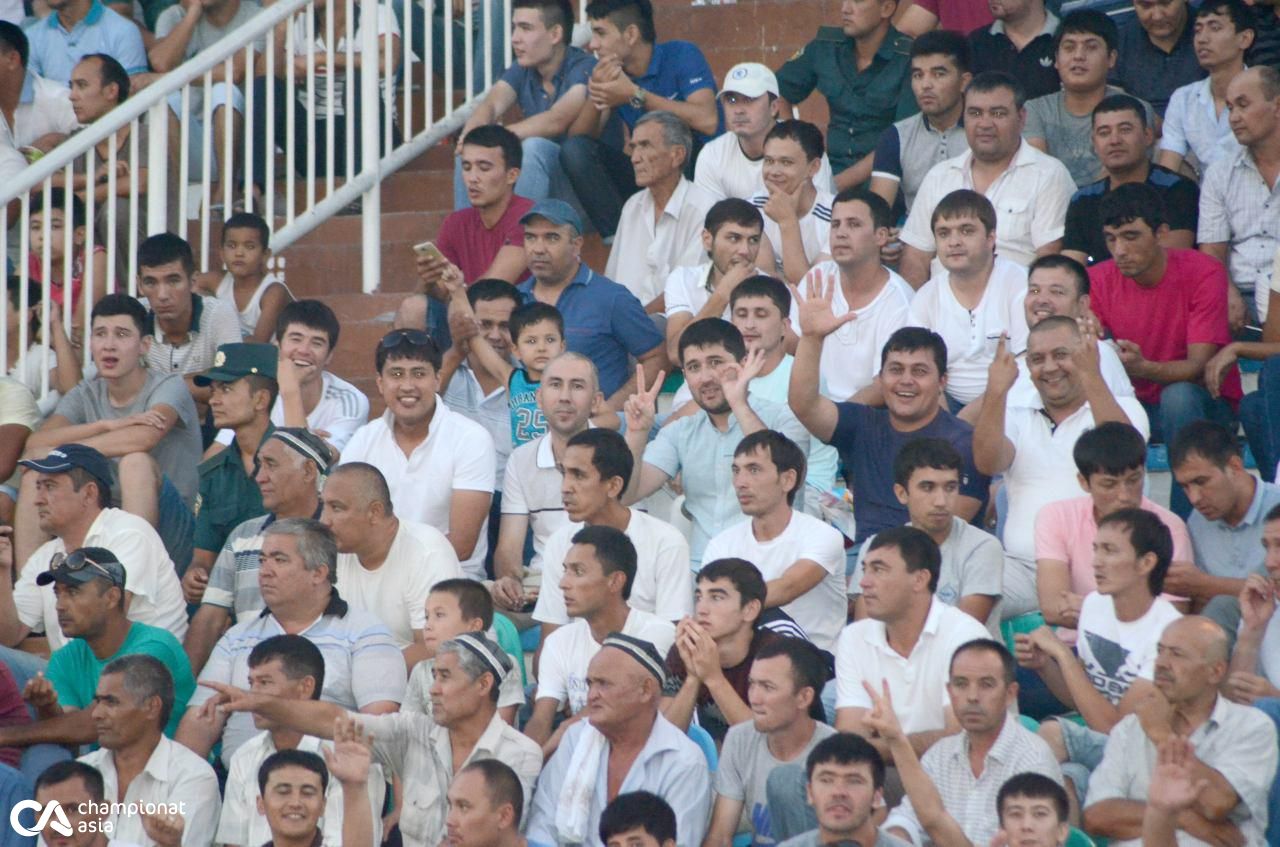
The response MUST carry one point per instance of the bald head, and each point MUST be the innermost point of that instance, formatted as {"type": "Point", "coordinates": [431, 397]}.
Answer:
{"type": "Point", "coordinates": [1253, 98]}
{"type": "Point", "coordinates": [364, 485]}
{"type": "Point", "coordinates": [1205, 634]}
{"type": "Point", "coordinates": [1191, 661]}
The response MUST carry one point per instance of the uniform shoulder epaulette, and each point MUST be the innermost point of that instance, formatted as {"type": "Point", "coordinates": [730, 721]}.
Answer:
{"type": "Point", "coordinates": [901, 44]}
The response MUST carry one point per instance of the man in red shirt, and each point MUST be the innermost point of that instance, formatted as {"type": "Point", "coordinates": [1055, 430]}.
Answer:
{"type": "Point", "coordinates": [1167, 311]}
{"type": "Point", "coordinates": [962, 16]}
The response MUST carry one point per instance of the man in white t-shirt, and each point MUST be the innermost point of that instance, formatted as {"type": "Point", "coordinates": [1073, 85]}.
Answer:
{"type": "Point", "coordinates": [977, 296]}
{"type": "Point", "coordinates": [41, 109]}
{"type": "Point", "coordinates": [797, 212]}
{"type": "Point", "coordinates": [599, 570]}
{"type": "Point", "coordinates": [800, 557]}
{"type": "Point", "coordinates": [438, 464]}
{"type": "Point", "coordinates": [311, 396]}
{"type": "Point", "coordinates": [597, 466]}
{"type": "Point", "coordinates": [1120, 625]}
{"type": "Point", "coordinates": [386, 566]}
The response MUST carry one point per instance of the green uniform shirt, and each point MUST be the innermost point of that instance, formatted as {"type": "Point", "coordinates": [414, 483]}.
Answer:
{"type": "Point", "coordinates": [73, 670]}
{"type": "Point", "coordinates": [228, 497]}
{"type": "Point", "coordinates": [863, 104]}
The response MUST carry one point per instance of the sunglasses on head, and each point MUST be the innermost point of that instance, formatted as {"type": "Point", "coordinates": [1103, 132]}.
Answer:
{"type": "Point", "coordinates": [78, 561]}
{"type": "Point", "coordinates": [396, 337]}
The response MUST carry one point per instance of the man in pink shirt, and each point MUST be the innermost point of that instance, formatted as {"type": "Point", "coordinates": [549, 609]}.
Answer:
{"type": "Point", "coordinates": [1111, 460]}
{"type": "Point", "coordinates": [962, 16]}
{"type": "Point", "coordinates": [1167, 311]}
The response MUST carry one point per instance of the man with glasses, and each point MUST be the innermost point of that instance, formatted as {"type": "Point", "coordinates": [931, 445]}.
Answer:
{"type": "Point", "coordinates": [439, 465]}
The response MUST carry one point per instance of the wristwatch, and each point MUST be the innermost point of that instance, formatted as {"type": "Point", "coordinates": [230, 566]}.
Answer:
{"type": "Point", "coordinates": [637, 99]}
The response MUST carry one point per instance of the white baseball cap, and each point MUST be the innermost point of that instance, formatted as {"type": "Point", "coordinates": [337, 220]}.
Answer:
{"type": "Point", "coordinates": [750, 79]}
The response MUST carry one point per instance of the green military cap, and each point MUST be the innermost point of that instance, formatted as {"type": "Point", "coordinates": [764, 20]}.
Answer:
{"type": "Point", "coordinates": [234, 361]}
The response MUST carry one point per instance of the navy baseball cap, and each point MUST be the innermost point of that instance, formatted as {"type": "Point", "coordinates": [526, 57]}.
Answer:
{"type": "Point", "coordinates": [80, 566]}
{"type": "Point", "coordinates": [556, 211]}
{"type": "Point", "coordinates": [69, 456]}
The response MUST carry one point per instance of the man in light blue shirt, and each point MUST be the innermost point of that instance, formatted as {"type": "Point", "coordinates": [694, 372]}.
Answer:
{"type": "Point", "coordinates": [80, 27]}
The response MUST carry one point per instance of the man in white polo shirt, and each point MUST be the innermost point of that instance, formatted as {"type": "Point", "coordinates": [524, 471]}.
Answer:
{"type": "Point", "coordinates": [1030, 189]}
{"type": "Point", "coordinates": [797, 209]}
{"type": "Point", "coordinates": [438, 464]}
{"type": "Point", "coordinates": [41, 109]}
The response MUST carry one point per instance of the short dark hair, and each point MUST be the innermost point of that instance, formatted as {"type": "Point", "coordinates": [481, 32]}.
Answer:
{"type": "Point", "coordinates": [846, 748]}
{"type": "Point", "coordinates": [763, 285]}
{"type": "Point", "coordinates": [1008, 664]}
{"type": "Point", "coordinates": [554, 13]}
{"type": "Point", "coordinates": [403, 347]}
{"type": "Point", "coordinates": [531, 313]}
{"type": "Point", "coordinates": [944, 42]}
{"type": "Point", "coordinates": [145, 677]}
{"type": "Point", "coordinates": [1209, 440]}
{"type": "Point", "coordinates": [732, 210]}
{"type": "Point", "coordinates": [13, 39]}
{"type": "Point", "coordinates": [68, 769]}
{"type": "Point", "coordinates": [1272, 515]}
{"type": "Point", "coordinates": [1147, 534]}
{"type": "Point", "coordinates": [113, 305]}
{"type": "Point", "coordinates": [1131, 202]}
{"type": "Point", "coordinates": [1088, 22]}
{"type": "Point", "coordinates": [163, 248]}
{"type": "Point", "coordinates": [785, 454]}
{"type": "Point", "coordinates": [808, 667]}
{"type": "Point", "coordinates": [965, 203]}
{"type": "Point", "coordinates": [80, 478]}
{"type": "Point", "coordinates": [988, 81]}
{"type": "Point", "coordinates": [313, 314]}
{"type": "Point", "coordinates": [248, 220]}
{"type": "Point", "coordinates": [489, 288]}
{"type": "Point", "coordinates": [496, 135]}
{"type": "Point", "coordinates": [881, 214]}
{"type": "Point", "coordinates": [1057, 261]}
{"type": "Point", "coordinates": [1120, 103]}
{"type": "Point", "coordinates": [610, 455]}
{"type": "Point", "coordinates": [712, 332]}
{"type": "Point", "coordinates": [1033, 786]}
{"type": "Point", "coordinates": [746, 578]}
{"type": "Point", "coordinates": [298, 656]}
{"type": "Point", "coordinates": [474, 600]}
{"type": "Point", "coordinates": [1241, 16]}
{"type": "Point", "coordinates": [624, 13]}
{"type": "Point", "coordinates": [112, 73]}
{"type": "Point", "coordinates": [58, 203]}
{"type": "Point", "coordinates": [1110, 448]}
{"type": "Point", "coordinates": [934, 453]}
{"type": "Point", "coordinates": [641, 810]}
{"type": "Point", "coordinates": [918, 550]}
{"type": "Point", "coordinates": [808, 136]}
{"type": "Point", "coordinates": [292, 758]}
{"type": "Point", "coordinates": [614, 550]}
{"type": "Point", "coordinates": [909, 339]}
{"type": "Point", "coordinates": [500, 783]}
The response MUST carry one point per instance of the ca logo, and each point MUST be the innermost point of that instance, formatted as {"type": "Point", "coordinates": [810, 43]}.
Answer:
{"type": "Point", "coordinates": [60, 824]}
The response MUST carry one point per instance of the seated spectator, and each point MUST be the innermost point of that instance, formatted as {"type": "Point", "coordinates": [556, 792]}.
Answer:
{"type": "Point", "coordinates": [1154, 52]}
{"type": "Point", "coordinates": [142, 418]}
{"type": "Point", "coordinates": [131, 706]}
{"type": "Point", "coordinates": [1167, 310]}
{"type": "Point", "coordinates": [418, 440]}
{"type": "Point", "coordinates": [1266, 41]}
{"type": "Point", "coordinates": [245, 253]}
{"type": "Point", "coordinates": [531, 499]}
{"type": "Point", "coordinates": [386, 566]}
{"type": "Point", "coordinates": [1022, 43]}
{"type": "Point", "coordinates": [905, 642]}
{"type": "Point", "coordinates": [861, 112]}
{"type": "Point", "coordinates": [66, 294]}
{"type": "Point", "coordinates": [1235, 221]}
{"type": "Point", "coordinates": [310, 396]}
{"type": "Point", "coordinates": [1029, 189]}
{"type": "Point", "coordinates": [659, 225]}
{"type": "Point", "coordinates": [597, 466]}
{"type": "Point", "coordinates": [1109, 673]}
{"type": "Point", "coordinates": [299, 558]}
{"type": "Point", "coordinates": [78, 28]}
{"type": "Point", "coordinates": [1227, 525]}
{"type": "Point", "coordinates": [71, 487]}
{"type": "Point", "coordinates": [603, 320]}
{"type": "Point", "coordinates": [27, 368]}
{"type": "Point", "coordinates": [289, 775]}
{"type": "Point", "coordinates": [1253, 673]}
{"type": "Point", "coordinates": [548, 83]}
{"type": "Point", "coordinates": [913, 368]}
{"type": "Point", "coordinates": [926, 479]}
{"type": "Point", "coordinates": [909, 148]}
{"type": "Point", "coordinates": [718, 370]}
{"type": "Point", "coordinates": [1059, 123]}
{"type": "Point", "coordinates": [292, 668]}
{"type": "Point", "coordinates": [420, 751]}
{"type": "Point", "coordinates": [78, 789]}
{"type": "Point", "coordinates": [844, 785]}
{"type": "Point", "coordinates": [291, 465]}
{"type": "Point", "coordinates": [624, 687]}
{"type": "Point", "coordinates": [797, 211]}
{"type": "Point", "coordinates": [983, 695]}
{"type": "Point", "coordinates": [1111, 461]}
{"type": "Point", "coordinates": [486, 805]}
{"type": "Point", "coordinates": [1032, 445]}
{"type": "Point", "coordinates": [635, 75]}
{"type": "Point", "coordinates": [1196, 122]}
{"type": "Point", "coordinates": [599, 571]}
{"type": "Point", "coordinates": [640, 818]}
{"type": "Point", "coordinates": [1122, 137]}
{"type": "Point", "coordinates": [730, 164]}
{"type": "Point", "coordinates": [453, 607]}
{"type": "Point", "coordinates": [800, 557]}
{"type": "Point", "coordinates": [976, 298]}
{"type": "Point", "coordinates": [1235, 747]}
{"type": "Point", "coordinates": [41, 111]}
{"type": "Point", "coordinates": [786, 679]}
{"type": "Point", "coordinates": [919, 17]}
{"type": "Point", "coordinates": [19, 416]}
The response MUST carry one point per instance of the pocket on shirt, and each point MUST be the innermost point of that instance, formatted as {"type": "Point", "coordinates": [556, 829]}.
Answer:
{"type": "Point", "coordinates": [1013, 216]}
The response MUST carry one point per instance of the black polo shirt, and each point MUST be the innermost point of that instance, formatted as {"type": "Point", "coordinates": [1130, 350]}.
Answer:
{"type": "Point", "coordinates": [1148, 72]}
{"type": "Point", "coordinates": [991, 50]}
{"type": "Point", "coordinates": [1084, 228]}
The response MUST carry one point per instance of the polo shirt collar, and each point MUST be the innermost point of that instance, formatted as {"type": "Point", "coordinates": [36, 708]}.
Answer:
{"type": "Point", "coordinates": [546, 455]}
{"type": "Point", "coordinates": [932, 622]}
{"type": "Point", "coordinates": [928, 127]}
{"type": "Point", "coordinates": [1050, 26]}
{"type": "Point", "coordinates": [655, 62]}
{"type": "Point", "coordinates": [582, 276]}
{"type": "Point", "coordinates": [197, 311]}
{"type": "Point", "coordinates": [28, 94]}
{"type": "Point", "coordinates": [1254, 514]}
{"type": "Point", "coordinates": [96, 11]}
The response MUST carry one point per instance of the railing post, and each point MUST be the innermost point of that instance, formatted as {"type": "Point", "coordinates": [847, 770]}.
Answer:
{"type": "Point", "coordinates": [371, 156]}
{"type": "Point", "coordinates": [157, 168]}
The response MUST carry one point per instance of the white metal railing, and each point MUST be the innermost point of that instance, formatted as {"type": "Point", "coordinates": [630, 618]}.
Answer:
{"type": "Point", "coordinates": [402, 91]}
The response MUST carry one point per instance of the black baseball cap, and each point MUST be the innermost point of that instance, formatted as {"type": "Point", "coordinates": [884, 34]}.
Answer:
{"type": "Point", "coordinates": [70, 456]}
{"type": "Point", "coordinates": [80, 566]}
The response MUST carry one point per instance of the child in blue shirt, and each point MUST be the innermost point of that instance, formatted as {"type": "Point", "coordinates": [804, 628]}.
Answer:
{"type": "Point", "coordinates": [537, 331]}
